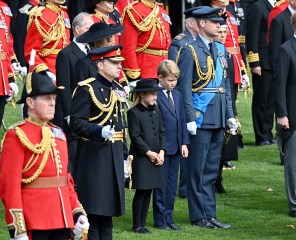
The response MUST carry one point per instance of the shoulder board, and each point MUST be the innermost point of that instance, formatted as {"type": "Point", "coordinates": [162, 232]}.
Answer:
{"type": "Point", "coordinates": [180, 36]}
{"type": "Point", "coordinates": [36, 11]}
{"type": "Point", "coordinates": [280, 2]}
{"type": "Point", "coordinates": [22, 122]}
{"type": "Point", "coordinates": [87, 81]}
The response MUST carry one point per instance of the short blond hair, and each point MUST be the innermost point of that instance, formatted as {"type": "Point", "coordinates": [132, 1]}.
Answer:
{"type": "Point", "coordinates": [167, 67]}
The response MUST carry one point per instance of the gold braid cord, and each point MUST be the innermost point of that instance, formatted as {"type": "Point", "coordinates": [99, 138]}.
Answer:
{"type": "Point", "coordinates": [150, 23]}
{"type": "Point", "coordinates": [105, 108]}
{"type": "Point", "coordinates": [202, 76]}
{"type": "Point", "coordinates": [55, 33]}
{"type": "Point", "coordinates": [44, 147]}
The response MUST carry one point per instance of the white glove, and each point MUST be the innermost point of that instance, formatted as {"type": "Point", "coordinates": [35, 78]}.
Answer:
{"type": "Point", "coordinates": [16, 67]}
{"type": "Point", "coordinates": [51, 75]}
{"type": "Point", "coordinates": [24, 71]}
{"type": "Point", "coordinates": [23, 237]}
{"type": "Point", "coordinates": [127, 169]}
{"type": "Point", "coordinates": [133, 84]}
{"type": "Point", "coordinates": [191, 127]}
{"type": "Point", "coordinates": [108, 132]}
{"type": "Point", "coordinates": [233, 125]}
{"type": "Point", "coordinates": [13, 87]}
{"type": "Point", "coordinates": [245, 81]}
{"type": "Point", "coordinates": [80, 225]}
{"type": "Point", "coordinates": [191, 1]}
{"type": "Point", "coordinates": [127, 90]}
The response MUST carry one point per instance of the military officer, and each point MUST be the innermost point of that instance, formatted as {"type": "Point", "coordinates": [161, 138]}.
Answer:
{"type": "Point", "coordinates": [205, 87]}
{"type": "Point", "coordinates": [186, 37]}
{"type": "Point", "coordinates": [48, 33]}
{"type": "Point", "coordinates": [146, 39]}
{"type": "Point", "coordinates": [36, 189]}
{"type": "Point", "coordinates": [97, 117]}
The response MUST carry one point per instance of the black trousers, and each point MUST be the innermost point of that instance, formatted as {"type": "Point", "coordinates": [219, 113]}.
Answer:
{"type": "Point", "coordinates": [56, 234]}
{"type": "Point", "coordinates": [263, 106]}
{"type": "Point", "coordinates": [2, 107]}
{"type": "Point", "coordinates": [100, 227]}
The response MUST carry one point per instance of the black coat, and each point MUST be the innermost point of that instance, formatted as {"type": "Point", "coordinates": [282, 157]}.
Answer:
{"type": "Point", "coordinates": [84, 69]}
{"type": "Point", "coordinates": [146, 133]}
{"type": "Point", "coordinates": [100, 175]}
{"type": "Point", "coordinates": [280, 31]}
{"type": "Point", "coordinates": [257, 33]}
{"type": "Point", "coordinates": [285, 85]}
{"type": "Point", "coordinates": [65, 69]}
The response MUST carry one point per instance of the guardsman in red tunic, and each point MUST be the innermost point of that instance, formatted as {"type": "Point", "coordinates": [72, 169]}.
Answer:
{"type": "Point", "coordinates": [35, 187]}
{"type": "Point", "coordinates": [146, 38]}
{"type": "Point", "coordinates": [8, 86]}
{"type": "Point", "coordinates": [48, 33]}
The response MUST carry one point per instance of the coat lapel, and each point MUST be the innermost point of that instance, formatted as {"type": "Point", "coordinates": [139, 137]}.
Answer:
{"type": "Point", "coordinates": [76, 50]}
{"type": "Point", "coordinates": [165, 101]}
{"type": "Point", "coordinates": [203, 46]}
{"type": "Point", "coordinates": [288, 19]}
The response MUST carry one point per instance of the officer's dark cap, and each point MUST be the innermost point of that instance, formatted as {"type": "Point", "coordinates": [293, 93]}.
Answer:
{"type": "Point", "coordinates": [213, 14]}
{"type": "Point", "coordinates": [99, 31]}
{"type": "Point", "coordinates": [111, 52]}
{"type": "Point", "coordinates": [147, 85]}
{"type": "Point", "coordinates": [37, 84]}
{"type": "Point", "coordinates": [188, 12]}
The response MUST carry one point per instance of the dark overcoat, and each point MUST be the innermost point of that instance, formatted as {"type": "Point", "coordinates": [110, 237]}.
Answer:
{"type": "Point", "coordinates": [146, 133]}
{"type": "Point", "coordinates": [99, 174]}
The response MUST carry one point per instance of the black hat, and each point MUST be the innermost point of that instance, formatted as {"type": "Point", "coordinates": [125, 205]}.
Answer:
{"type": "Point", "coordinates": [213, 14]}
{"type": "Point", "coordinates": [147, 85]}
{"type": "Point", "coordinates": [111, 52]}
{"type": "Point", "coordinates": [38, 84]}
{"type": "Point", "coordinates": [98, 31]}
{"type": "Point", "coordinates": [188, 12]}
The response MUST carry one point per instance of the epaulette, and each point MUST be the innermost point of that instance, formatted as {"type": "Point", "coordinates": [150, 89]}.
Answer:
{"type": "Point", "coordinates": [180, 36]}
{"type": "Point", "coordinates": [130, 6]}
{"type": "Point", "coordinates": [280, 2]}
{"type": "Point", "coordinates": [22, 122]}
{"type": "Point", "coordinates": [36, 11]}
{"type": "Point", "coordinates": [87, 81]}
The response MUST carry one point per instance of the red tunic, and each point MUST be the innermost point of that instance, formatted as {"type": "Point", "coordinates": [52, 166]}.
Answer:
{"type": "Point", "coordinates": [121, 4]}
{"type": "Point", "coordinates": [146, 38]}
{"type": "Point", "coordinates": [55, 21]}
{"type": "Point", "coordinates": [6, 48]}
{"type": "Point", "coordinates": [43, 208]}
{"type": "Point", "coordinates": [233, 47]}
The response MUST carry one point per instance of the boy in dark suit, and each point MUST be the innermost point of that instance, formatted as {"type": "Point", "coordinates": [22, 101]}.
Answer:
{"type": "Point", "coordinates": [170, 103]}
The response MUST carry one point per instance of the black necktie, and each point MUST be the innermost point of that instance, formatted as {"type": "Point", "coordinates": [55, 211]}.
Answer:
{"type": "Point", "coordinates": [87, 48]}
{"type": "Point", "coordinates": [170, 98]}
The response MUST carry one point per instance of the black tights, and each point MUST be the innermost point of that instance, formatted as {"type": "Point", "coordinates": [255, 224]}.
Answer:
{"type": "Point", "coordinates": [141, 204]}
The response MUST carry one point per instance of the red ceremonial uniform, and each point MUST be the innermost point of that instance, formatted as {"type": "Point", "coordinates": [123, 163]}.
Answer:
{"type": "Point", "coordinates": [121, 4]}
{"type": "Point", "coordinates": [34, 205]}
{"type": "Point", "coordinates": [6, 48]}
{"type": "Point", "coordinates": [146, 38]}
{"type": "Point", "coordinates": [232, 46]}
{"type": "Point", "coordinates": [48, 33]}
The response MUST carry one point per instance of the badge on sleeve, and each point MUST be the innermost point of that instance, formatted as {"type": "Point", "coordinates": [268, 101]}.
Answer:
{"type": "Point", "coordinates": [67, 22]}
{"type": "Point", "coordinates": [7, 11]}
{"type": "Point", "coordinates": [58, 133]}
{"type": "Point", "coordinates": [166, 18]}
{"type": "Point", "coordinates": [3, 24]}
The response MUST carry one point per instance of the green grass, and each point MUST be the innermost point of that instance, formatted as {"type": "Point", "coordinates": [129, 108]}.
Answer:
{"type": "Point", "coordinates": [252, 210]}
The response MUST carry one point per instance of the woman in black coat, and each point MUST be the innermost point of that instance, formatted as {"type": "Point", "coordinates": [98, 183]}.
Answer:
{"type": "Point", "coordinates": [147, 146]}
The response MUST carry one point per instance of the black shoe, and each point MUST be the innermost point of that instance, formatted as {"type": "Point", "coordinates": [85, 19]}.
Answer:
{"type": "Point", "coordinates": [292, 214]}
{"type": "Point", "coordinates": [139, 230]}
{"type": "Point", "coordinates": [174, 227]}
{"type": "Point", "coordinates": [146, 230]}
{"type": "Point", "coordinates": [264, 143]}
{"type": "Point", "coordinates": [203, 223]}
{"type": "Point", "coordinates": [218, 224]}
{"type": "Point", "coordinates": [162, 227]}
{"type": "Point", "coordinates": [228, 165]}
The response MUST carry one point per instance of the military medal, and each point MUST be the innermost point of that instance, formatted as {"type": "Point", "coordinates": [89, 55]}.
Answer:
{"type": "Point", "coordinates": [58, 133]}
{"type": "Point", "coordinates": [166, 18]}
{"type": "Point", "coordinates": [121, 94]}
{"type": "Point", "coordinates": [67, 22]}
{"type": "Point", "coordinates": [240, 12]}
{"type": "Point", "coordinates": [6, 11]}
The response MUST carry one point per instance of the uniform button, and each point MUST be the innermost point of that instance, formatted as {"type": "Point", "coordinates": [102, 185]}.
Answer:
{"type": "Point", "coordinates": [102, 89]}
{"type": "Point", "coordinates": [106, 99]}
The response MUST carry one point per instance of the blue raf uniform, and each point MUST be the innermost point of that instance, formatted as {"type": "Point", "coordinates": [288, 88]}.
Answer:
{"type": "Point", "coordinates": [207, 101]}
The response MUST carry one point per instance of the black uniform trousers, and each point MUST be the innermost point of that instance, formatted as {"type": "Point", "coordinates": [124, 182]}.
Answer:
{"type": "Point", "coordinates": [263, 106]}
{"type": "Point", "coordinates": [100, 227]}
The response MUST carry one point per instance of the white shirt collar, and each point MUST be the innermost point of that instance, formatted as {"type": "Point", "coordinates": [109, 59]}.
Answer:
{"type": "Point", "coordinates": [80, 45]}
{"type": "Point", "coordinates": [291, 9]}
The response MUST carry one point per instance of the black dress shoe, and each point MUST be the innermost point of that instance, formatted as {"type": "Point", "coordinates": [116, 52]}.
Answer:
{"type": "Point", "coordinates": [264, 143]}
{"type": "Point", "coordinates": [162, 227]}
{"type": "Point", "coordinates": [139, 230]}
{"type": "Point", "coordinates": [203, 223]}
{"type": "Point", "coordinates": [174, 227]}
{"type": "Point", "coordinates": [292, 214]}
{"type": "Point", "coordinates": [146, 230]}
{"type": "Point", "coordinates": [272, 141]}
{"type": "Point", "coordinates": [218, 224]}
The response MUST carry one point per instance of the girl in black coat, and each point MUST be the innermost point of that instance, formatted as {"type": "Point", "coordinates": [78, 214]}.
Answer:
{"type": "Point", "coordinates": [147, 146]}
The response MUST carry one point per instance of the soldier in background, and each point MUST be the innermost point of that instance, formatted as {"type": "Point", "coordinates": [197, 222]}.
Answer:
{"type": "Point", "coordinates": [146, 39]}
